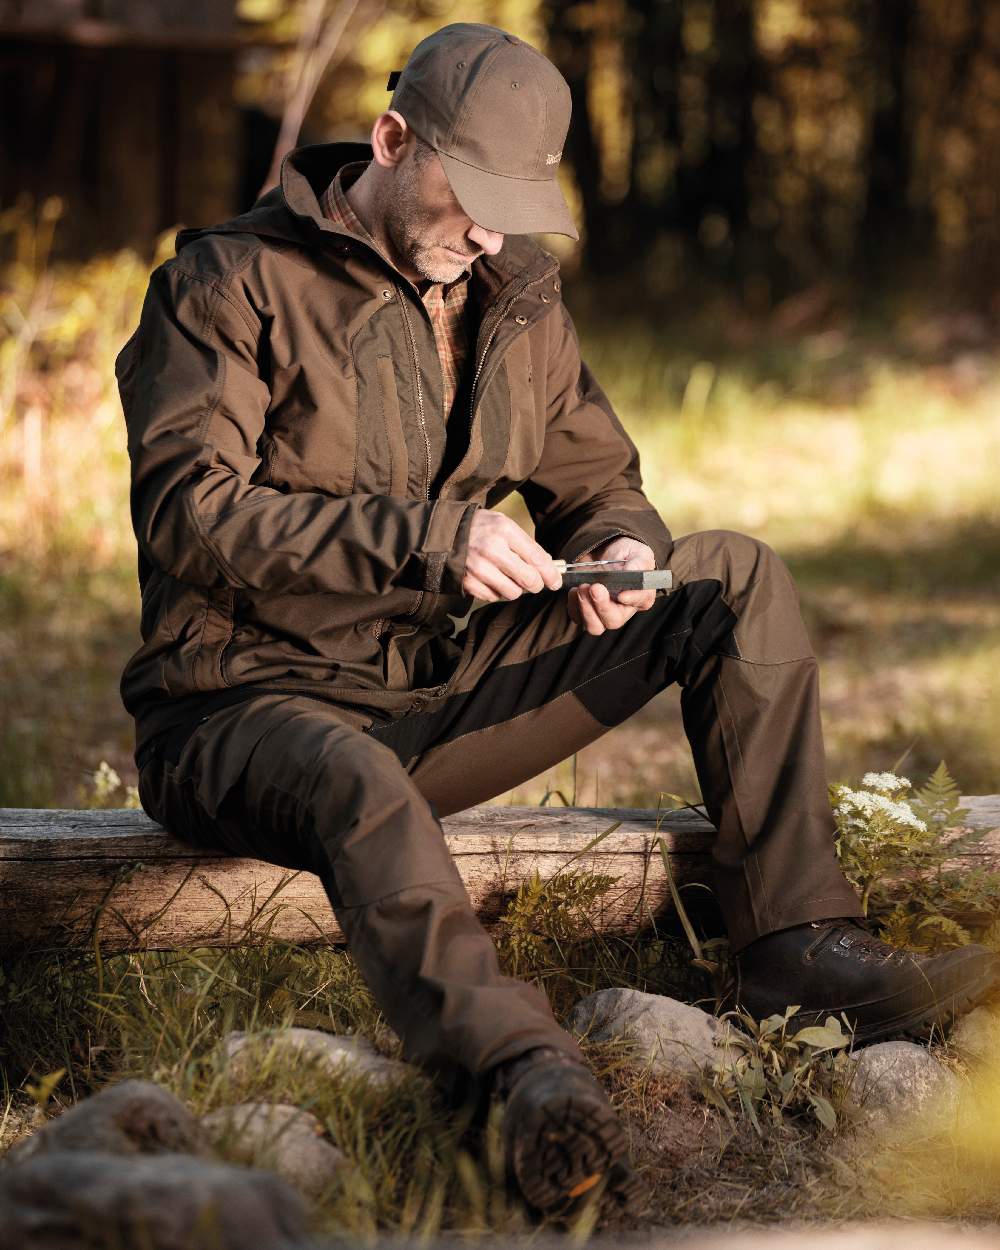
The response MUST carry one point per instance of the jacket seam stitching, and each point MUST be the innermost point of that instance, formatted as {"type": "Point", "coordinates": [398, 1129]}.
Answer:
{"type": "Point", "coordinates": [209, 330]}
{"type": "Point", "coordinates": [221, 291]}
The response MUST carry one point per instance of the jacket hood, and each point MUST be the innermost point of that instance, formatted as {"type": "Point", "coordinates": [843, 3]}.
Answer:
{"type": "Point", "coordinates": [290, 213]}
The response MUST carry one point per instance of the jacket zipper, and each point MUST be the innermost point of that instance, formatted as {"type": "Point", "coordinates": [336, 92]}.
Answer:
{"type": "Point", "coordinates": [475, 382]}
{"type": "Point", "coordinates": [420, 394]}
{"type": "Point", "coordinates": [423, 425]}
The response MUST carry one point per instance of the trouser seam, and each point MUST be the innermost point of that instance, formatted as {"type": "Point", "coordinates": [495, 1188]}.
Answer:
{"type": "Point", "coordinates": [545, 703]}
{"type": "Point", "coordinates": [750, 864]}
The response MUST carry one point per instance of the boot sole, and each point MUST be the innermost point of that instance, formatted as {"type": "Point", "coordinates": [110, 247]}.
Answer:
{"type": "Point", "coordinates": [567, 1146]}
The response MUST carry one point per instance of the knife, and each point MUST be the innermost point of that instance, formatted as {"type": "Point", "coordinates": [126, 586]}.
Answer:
{"type": "Point", "coordinates": [592, 571]}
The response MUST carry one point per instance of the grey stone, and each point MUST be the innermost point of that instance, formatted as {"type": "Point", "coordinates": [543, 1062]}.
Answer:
{"type": "Point", "coordinates": [132, 1117]}
{"type": "Point", "coordinates": [673, 1037]}
{"type": "Point", "coordinates": [89, 1200]}
{"type": "Point", "coordinates": [283, 1139]}
{"type": "Point", "coordinates": [334, 1055]}
{"type": "Point", "coordinates": [976, 1036]}
{"type": "Point", "coordinates": [892, 1080]}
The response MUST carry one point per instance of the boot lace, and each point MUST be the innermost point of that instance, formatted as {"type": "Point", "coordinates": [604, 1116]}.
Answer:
{"type": "Point", "coordinates": [853, 937]}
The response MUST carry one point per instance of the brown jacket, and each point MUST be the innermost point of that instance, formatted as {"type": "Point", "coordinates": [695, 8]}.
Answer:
{"type": "Point", "coordinates": [301, 507]}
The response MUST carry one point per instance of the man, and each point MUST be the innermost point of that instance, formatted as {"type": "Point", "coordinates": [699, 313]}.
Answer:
{"type": "Point", "coordinates": [326, 398]}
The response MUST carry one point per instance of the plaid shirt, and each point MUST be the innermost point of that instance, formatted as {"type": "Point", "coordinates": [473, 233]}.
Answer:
{"type": "Point", "coordinates": [447, 303]}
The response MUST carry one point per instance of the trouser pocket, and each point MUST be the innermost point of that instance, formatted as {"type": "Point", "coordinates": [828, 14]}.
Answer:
{"type": "Point", "coordinates": [170, 798]}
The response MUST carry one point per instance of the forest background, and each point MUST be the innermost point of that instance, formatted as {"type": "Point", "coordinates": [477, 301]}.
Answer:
{"type": "Point", "coordinates": [786, 283]}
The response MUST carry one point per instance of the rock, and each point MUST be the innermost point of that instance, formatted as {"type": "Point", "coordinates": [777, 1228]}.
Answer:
{"type": "Point", "coordinates": [132, 1117]}
{"type": "Point", "coordinates": [290, 1048]}
{"type": "Point", "coordinates": [283, 1139]}
{"type": "Point", "coordinates": [896, 1079]}
{"type": "Point", "coordinates": [672, 1036]}
{"type": "Point", "coordinates": [74, 1200]}
{"type": "Point", "coordinates": [976, 1036]}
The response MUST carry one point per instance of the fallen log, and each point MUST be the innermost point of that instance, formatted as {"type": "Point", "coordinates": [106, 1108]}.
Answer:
{"type": "Point", "coordinates": [69, 879]}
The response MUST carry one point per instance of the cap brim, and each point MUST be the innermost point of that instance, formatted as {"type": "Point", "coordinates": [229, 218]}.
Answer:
{"type": "Point", "coordinates": [509, 205]}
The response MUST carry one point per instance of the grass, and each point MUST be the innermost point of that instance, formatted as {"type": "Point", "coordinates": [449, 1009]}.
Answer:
{"type": "Point", "coordinates": [884, 508]}
{"type": "Point", "coordinates": [864, 453]}
{"type": "Point", "coordinates": [415, 1167]}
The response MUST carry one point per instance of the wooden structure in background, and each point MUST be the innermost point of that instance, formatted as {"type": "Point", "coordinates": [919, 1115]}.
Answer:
{"type": "Point", "coordinates": [70, 878]}
{"type": "Point", "coordinates": [125, 109]}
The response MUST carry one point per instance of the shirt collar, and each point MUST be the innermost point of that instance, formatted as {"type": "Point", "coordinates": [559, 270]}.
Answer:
{"type": "Point", "coordinates": [337, 208]}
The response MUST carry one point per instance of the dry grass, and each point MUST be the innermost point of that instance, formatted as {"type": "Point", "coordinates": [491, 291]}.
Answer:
{"type": "Point", "coordinates": [868, 460]}
{"type": "Point", "coordinates": [417, 1168]}
{"type": "Point", "coordinates": [865, 459]}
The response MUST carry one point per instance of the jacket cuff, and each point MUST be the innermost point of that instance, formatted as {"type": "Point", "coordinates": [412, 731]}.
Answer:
{"type": "Point", "coordinates": [656, 537]}
{"type": "Point", "coordinates": [445, 546]}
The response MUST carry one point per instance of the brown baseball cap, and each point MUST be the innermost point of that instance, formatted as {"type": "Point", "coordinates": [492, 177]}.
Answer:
{"type": "Point", "coordinates": [496, 111]}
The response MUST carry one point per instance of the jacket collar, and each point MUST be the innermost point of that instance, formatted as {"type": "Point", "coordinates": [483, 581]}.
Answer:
{"type": "Point", "coordinates": [291, 213]}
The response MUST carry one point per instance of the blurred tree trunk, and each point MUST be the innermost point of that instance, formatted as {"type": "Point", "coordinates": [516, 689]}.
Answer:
{"type": "Point", "coordinates": [892, 224]}
{"type": "Point", "coordinates": [956, 177]}
{"type": "Point", "coordinates": [571, 38]}
{"type": "Point", "coordinates": [688, 71]}
{"type": "Point", "coordinates": [654, 53]}
{"type": "Point", "coordinates": [720, 147]}
{"type": "Point", "coordinates": [779, 145]}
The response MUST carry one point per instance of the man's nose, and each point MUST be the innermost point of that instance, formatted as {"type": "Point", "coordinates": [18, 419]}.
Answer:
{"type": "Point", "coordinates": [488, 240]}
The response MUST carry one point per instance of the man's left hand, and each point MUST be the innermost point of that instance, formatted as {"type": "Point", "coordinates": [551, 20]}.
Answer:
{"type": "Point", "coordinates": [596, 607]}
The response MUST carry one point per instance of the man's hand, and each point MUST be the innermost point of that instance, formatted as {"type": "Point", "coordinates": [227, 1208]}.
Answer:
{"type": "Point", "coordinates": [594, 606]}
{"type": "Point", "coordinates": [503, 562]}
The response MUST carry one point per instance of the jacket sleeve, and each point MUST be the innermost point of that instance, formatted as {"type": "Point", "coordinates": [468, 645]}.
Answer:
{"type": "Point", "coordinates": [195, 405]}
{"type": "Point", "coordinates": [587, 487]}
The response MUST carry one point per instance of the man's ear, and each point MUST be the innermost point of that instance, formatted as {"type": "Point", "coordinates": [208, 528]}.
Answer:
{"type": "Point", "coordinates": [391, 138]}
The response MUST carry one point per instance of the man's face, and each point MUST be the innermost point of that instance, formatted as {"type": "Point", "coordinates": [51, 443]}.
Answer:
{"type": "Point", "coordinates": [428, 231]}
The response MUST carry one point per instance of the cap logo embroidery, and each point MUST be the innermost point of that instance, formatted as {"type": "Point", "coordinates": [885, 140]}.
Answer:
{"type": "Point", "coordinates": [552, 158]}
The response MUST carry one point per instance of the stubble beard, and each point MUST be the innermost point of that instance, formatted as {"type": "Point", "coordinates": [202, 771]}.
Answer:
{"type": "Point", "coordinates": [406, 227]}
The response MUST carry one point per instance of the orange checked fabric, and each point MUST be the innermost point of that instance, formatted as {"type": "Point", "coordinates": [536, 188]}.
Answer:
{"type": "Point", "coordinates": [447, 303]}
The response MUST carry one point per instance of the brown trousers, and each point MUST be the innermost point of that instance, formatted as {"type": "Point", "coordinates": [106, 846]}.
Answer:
{"type": "Point", "coordinates": [312, 785]}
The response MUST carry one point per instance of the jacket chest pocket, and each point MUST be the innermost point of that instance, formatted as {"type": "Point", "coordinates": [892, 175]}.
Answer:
{"type": "Point", "coordinates": [382, 457]}
{"type": "Point", "coordinates": [527, 415]}
{"type": "Point", "coordinates": [312, 432]}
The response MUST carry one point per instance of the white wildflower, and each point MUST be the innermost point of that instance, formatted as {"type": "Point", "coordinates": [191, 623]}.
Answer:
{"type": "Point", "coordinates": [885, 783]}
{"type": "Point", "coordinates": [105, 781]}
{"type": "Point", "coordinates": [860, 806]}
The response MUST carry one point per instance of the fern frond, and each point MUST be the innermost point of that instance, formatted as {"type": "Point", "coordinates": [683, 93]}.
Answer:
{"type": "Point", "coordinates": [937, 801]}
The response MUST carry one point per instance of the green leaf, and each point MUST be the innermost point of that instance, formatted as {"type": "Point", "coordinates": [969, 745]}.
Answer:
{"type": "Point", "coordinates": [824, 1111]}
{"type": "Point", "coordinates": [821, 1036]}
{"type": "Point", "coordinates": [773, 1024]}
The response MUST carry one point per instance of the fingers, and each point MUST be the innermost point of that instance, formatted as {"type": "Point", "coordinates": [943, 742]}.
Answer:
{"type": "Point", "coordinates": [593, 607]}
{"type": "Point", "coordinates": [534, 555]}
{"type": "Point", "coordinates": [491, 590]}
{"type": "Point", "coordinates": [632, 553]}
{"type": "Point", "coordinates": [641, 600]}
{"type": "Point", "coordinates": [502, 561]}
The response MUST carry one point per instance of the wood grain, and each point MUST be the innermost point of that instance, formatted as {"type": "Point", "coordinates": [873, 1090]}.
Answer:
{"type": "Point", "coordinates": [68, 878]}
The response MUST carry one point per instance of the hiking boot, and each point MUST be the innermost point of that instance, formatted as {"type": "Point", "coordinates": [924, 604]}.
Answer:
{"type": "Point", "coordinates": [834, 966]}
{"type": "Point", "coordinates": [561, 1135]}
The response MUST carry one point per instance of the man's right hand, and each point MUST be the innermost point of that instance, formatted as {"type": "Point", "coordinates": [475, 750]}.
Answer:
{"type": "Point", "coordinates": [503, 562]}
